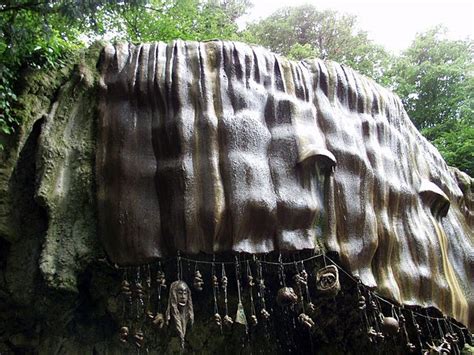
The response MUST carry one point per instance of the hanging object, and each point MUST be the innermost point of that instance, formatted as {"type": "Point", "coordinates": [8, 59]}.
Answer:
{"type": "Point", "coordinates": [374, 332]}
{"type": "Point", "coordinates": [253, 320]}
{"type": "Point", "coordinates": [362, 306]}
{"type": "Point", "coordinates": [180, 311]}
{"type": "Point", "coordinates": [305, 321]}
{"type": "Point", "coordinates": [390, 326]}
{"type": "Point", "coordinates": [215, 291]}
{"type": "Point", "coordinates": [123, 335]}
{"type": "Point", "coordinates": [453, 342]}
{"type": "Point", "coordinates": [452, 337]}
{"type": "Point", "coordinates": [429, 326]}
{"type": "Point", "coordinates": [301, 280]}
{"type": "Point", "coordinates": [443, 348]}
{"type": "Point", "coordinates": [304, 276]}
{"type": "Point", "coordinates": [265, 314]}
{"type": "Point", "coordinates": [251, 284]}
{"type": "Point", "coordinates": [198, 281]}
{"type": "Point", "coordinates": [138, 338]}
{"type": "Point", "coordinates": [327, 280]}
{"type": "Point", "coordinates": [286, 297]}
{"type": "Point", "coordinates": [125, 289]}
{"type": "Point", "coordinates": [148, 310]}
{"type": "Point", "coordinates": [148, 278]}
{"type": "Point", "coordinates": [261, 291]}
{"type": "Point", "coordinates": [138, 293]}
{"type": "Point", "coordinates": [139, 296]}
{"type": "Point", "coordinates": [311, 308]}
{"type": "Point", "coordinates": [240, 317]}
{"type": "Point", "coordinates": [361, 303]}
{"type": "Point", "coordinates": [161, 279]}
{"type": "Point", "coordinates": [158, 320]}
{"type": "Point", "coordinates": [402, 323]}
{"type": "Point", "coordinates": [299, 283]}
{"type": "Point", "coordinates": [218, 319]}
{"type": "Point", "coordinates": [215, 281]}
{"type": "Point", "coordinates": [126, 295]}
{"type": "Point", "coordinates": [227, 320]}
{"type": "Point", "coordinates": [417, 330]}
{"type": "Point", "coordinates": [411, 347]}
{"type": "Point", "coordinates": [224, 279]}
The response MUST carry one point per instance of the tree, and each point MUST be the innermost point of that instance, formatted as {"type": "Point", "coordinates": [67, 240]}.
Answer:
{"type": "Point", "coordinates": [164, 20]}
{"type": "Point", "coordinates": [299, 32]}
{"type": "Point", "coordinates": [435, 79]}
{"type": "Point", "coordinates": [42, 34]}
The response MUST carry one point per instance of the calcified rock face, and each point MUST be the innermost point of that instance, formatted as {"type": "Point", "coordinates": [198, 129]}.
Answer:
{"type": "Point", "coordinates": [219, 146]}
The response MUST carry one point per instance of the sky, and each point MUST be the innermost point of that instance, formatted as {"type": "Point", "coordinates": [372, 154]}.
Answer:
{"type": "Point", "coordinates": [390, 23]}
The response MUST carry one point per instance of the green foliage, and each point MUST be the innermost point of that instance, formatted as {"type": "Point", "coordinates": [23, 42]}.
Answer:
{"type": "Point", "coordinates": [455, 141]}
{"type": "Point", "coordinates": [164, 20]}
{"type": "Point", "coordinates": [433, 77]}
{"type": "Point", "coordinates": [302, 31]}
{"type": "Point", "coordinates": [302, 51]}
{"type": "Point", "coordinates": [42, 34]}
{"type": "Point", "coordinates": [7, 99]}
{"type": "Point", "coordinates": [435, 80]}
{"type": "Point", "coordinates": [235, 8]}
{"type": "Point", "coordinates": [33, 35]}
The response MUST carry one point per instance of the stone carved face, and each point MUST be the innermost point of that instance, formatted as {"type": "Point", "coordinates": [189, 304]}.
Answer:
{"type": "Point", "coordinates": [327, 280]}
{"type": "Point", "coordinates": [182, 292]}
{"type": "Point", "coordinates": [180, 311]}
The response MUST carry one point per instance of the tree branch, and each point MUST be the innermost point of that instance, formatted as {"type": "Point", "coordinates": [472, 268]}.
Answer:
{"type": "Point", "coordinates": [25, 6]}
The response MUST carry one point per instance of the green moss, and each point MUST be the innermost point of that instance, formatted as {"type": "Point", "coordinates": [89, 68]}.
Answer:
{"type": "Point", "coordinates": [64, 101]}
{"type": "Point", "coordinates": [66, 178]}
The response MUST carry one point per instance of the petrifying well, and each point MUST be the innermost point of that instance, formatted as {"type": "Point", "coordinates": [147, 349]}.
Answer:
{"type": "Point", "coordinates": [219, 146]}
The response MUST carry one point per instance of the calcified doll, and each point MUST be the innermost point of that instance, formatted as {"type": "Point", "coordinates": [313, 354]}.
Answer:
{"type": "Point", "coordinates": [180, 311]}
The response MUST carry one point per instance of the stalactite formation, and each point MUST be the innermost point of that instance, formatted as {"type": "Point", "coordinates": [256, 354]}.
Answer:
{"type": "Point", "coordinates": [218, 146]}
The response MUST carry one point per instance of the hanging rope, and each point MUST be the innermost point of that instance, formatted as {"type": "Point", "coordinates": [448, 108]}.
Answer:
{"type": "Point", "coordinates": [251, 284]}
{"type": "Point", "coordinates": [298, 284]}
{"type": "Point", "coordinates": [281, 271]}
{"type": "Point", "coordinates": [224, 288]}
{"type": "Point", "coordinates": [215, 292]}
{"type": "Point", "coordinates": [179, 266]}
{"type": "Point", "coordinates": [215, 287]}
